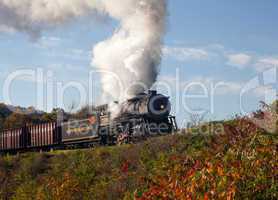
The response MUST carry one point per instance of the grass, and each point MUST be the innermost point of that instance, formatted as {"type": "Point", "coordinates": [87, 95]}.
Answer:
{"type": "Point", "coordinates": [238, 162]}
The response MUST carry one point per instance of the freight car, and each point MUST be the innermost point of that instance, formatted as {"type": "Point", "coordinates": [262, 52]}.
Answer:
{"type": "Point", "coordinates": [146, 115]}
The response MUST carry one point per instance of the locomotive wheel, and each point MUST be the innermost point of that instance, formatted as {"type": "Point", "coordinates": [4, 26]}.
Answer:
{"type": "Point", "coordinates": [91, 145]}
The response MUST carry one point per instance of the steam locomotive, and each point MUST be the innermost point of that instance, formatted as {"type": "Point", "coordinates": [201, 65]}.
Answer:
{"type": "Point", "coordinates": [145, 115]}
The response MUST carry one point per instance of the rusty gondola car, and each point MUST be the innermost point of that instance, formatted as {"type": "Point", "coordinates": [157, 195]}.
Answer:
{"type": "Point", "coordinates": [143, 116]}
{"type": "Point", "coordinates": [36, 137]}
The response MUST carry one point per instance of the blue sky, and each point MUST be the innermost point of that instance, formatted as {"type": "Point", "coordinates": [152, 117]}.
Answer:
{"type": "Point", "coordinates": [210, 42]}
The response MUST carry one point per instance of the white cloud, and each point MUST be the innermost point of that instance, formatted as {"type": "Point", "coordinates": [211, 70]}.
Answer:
{"type": "Point", "coordinates": [240, 60]}
{"type": "Point", "coordinates": [265, 63]}
{"type": "Point", "coordinates": [185, 54]}
{"type": "Point", "coordinates": [66, 68]}
{"type": "Point", "coordinates": [70, 54]}
{"type": "Point", "coordinates": [219, 87]}
{"type": "Point", "coordinates": [262, 90]}
{"type": "Point", "coordinates": [228, 87]}
{"type": "Point", "coordinates": [270, 61]}
{"type": "Point", "coordinates": [79, 54]}
{"type": "Point", "coordinates": [48, 42]}
{"type": "Point", "coordinates": [197, 84]}
{"type": "Point", "coordinates": [233, 88]}
{"type": "Point", "coordinates": [54, 47]}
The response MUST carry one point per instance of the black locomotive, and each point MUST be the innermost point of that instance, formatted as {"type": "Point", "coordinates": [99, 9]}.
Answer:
{"type": "Point", "coordinates": [146, 115]}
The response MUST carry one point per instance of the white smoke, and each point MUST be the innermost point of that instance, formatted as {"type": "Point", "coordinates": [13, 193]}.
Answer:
{"type": "Point", "coordinates": [134, 51]}
{"type": "Point", "coordinates": [33, 16]}
{"type": "Point", "coordinates": [132, 54]}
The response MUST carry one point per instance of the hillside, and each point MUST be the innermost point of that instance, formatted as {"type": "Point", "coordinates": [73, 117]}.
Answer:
{"type": "Point", "coordinates": [16, 116]}
{"type": "Point", "coordinates": [237, 162]}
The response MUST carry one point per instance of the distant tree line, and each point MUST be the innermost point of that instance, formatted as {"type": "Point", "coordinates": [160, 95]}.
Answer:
{"type": "Point", "coordinates": [16, 117]}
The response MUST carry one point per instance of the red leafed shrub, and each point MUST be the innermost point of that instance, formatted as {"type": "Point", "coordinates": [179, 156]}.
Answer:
{"type": "Point", "coordinates": [242, 165]}
{"type": "Point", "coordinates": [124, 167]}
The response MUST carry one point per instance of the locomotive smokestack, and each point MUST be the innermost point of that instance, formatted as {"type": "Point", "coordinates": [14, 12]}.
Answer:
{"type": "Point", "coordinates": [132, 54]}
{"type": "Point", "coordinates": [152, 92]}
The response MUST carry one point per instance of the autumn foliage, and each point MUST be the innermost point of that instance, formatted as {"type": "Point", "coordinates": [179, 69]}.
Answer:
{"type": "Point", "coordinates": [241, 163]}
{"type": "Point", "coordinates": [237, 161]}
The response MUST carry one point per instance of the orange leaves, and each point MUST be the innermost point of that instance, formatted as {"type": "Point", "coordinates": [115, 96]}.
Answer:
{"type": "Point", "coordinates": [235, 175]}
{"type": "Point", "coordinates": [227, 167]}
{"type": "Point", "coordinates": [190, 173]}
{"type": "Point", "coordinates": [63, 189]}
{"type": "Point", "coordinates": [209, 167]}
{"type": "Point", "coordinates": [220, 170]}
{"type": "Point", "coordinates": [153, 192]}
{"type": "Point", "coordinates": [206, 197]}
{"type": "Point", "coordinates": [231, 193]}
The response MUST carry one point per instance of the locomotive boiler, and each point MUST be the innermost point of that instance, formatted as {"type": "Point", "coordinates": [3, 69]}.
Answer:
{"type": "Point", "coordinates": [151, 105]}
{"type": "Point", "coordinates": [145, 115]}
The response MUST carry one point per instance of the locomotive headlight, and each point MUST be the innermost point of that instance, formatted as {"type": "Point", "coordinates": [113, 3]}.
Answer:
{"type": "Point", "coordinates": [159, 105]}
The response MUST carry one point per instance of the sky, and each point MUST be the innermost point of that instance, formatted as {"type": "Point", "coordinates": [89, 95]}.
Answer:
{"type": "Point", "coordinates": [212, 52]}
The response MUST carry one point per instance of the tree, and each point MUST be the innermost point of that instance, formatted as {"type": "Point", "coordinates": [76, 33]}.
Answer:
{"type": "Point", "coordinates": [15, 120]}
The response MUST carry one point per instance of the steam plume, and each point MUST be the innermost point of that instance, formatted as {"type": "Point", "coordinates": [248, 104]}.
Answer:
{"type": "Point", "coordinates": [133, 53]}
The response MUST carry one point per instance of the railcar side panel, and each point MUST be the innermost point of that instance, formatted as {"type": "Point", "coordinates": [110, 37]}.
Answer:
{"type": "Point", "coordinates": [42, 135]}
{"type": "Point", "coordinates": [11, 139]}
{"type": "Point", "coordinates": [80, 129]}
